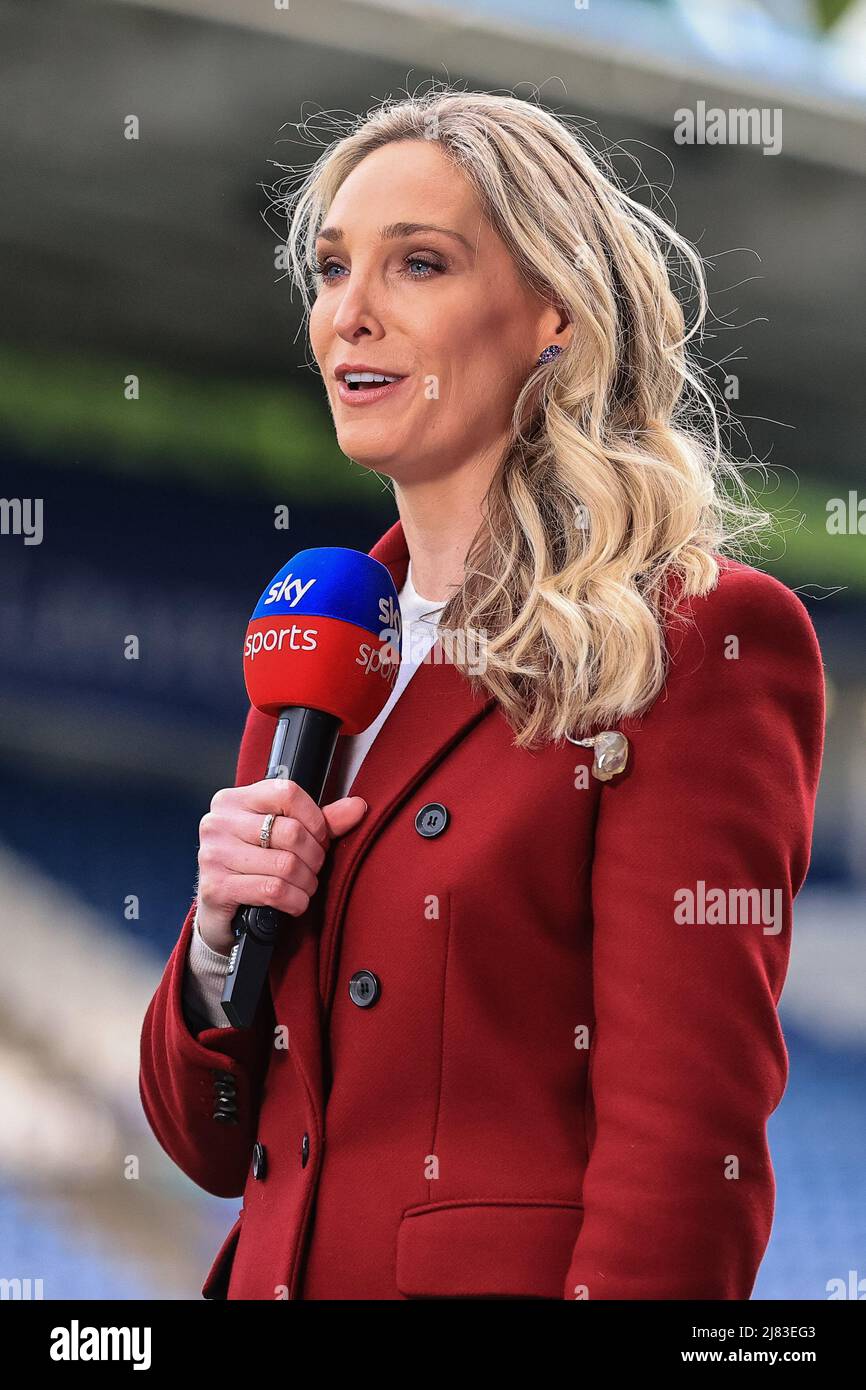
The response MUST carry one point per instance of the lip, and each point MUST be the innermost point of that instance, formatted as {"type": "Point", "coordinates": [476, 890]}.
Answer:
{"type": "Point", "coordinates": [343, 367]}
{"type": "Point", "coordinates": [369, 394]}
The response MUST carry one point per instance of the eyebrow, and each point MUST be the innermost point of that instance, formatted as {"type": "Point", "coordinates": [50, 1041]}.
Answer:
{"type": "Point", "coordinates": [395, 230]}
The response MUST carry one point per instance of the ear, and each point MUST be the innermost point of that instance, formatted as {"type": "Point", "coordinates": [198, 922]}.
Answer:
{"type": "Point", "coordinates": [554, 327]}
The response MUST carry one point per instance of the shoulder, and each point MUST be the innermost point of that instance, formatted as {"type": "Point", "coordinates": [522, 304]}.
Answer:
{"type": "Point", "coordinates": [743, 653]}
{"type": "Point", "coordinates": [744, 605]}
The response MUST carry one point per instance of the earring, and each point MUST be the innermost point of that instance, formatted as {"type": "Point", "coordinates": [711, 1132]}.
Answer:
{"type": "Point", "coordinates": [549, 354]}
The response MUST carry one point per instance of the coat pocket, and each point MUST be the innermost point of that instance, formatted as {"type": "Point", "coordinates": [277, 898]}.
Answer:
{"type": "Point", "coordinates": [217, 1282]}
{"type": "Point", "coordinates": [498, 1248]}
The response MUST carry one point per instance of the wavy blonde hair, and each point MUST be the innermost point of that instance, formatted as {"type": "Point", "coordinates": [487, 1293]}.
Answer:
{"type": "Point", "coordinates": [613, 496]}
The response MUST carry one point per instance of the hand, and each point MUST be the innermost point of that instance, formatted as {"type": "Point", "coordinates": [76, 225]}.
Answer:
{"type": "Point", "coordinates": [234, 869]}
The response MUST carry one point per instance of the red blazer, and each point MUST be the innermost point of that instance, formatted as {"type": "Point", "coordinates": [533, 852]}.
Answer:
{"type": "Point", "coordinates": [561, 1088]}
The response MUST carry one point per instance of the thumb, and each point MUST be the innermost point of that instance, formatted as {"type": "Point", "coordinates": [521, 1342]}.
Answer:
{"type": "Point", "coordinates": [344, 814]}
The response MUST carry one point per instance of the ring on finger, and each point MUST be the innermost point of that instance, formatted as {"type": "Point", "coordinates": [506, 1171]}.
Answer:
{"type": "Point", "coordinates": [265, 832]}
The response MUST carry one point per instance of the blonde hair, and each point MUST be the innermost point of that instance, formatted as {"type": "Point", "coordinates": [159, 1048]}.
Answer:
{"type": "Point", "coordinates": [613, 495]}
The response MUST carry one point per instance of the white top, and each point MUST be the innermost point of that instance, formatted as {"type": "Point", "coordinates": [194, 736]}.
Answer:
{"type": "Point", "coordinates": [206, 969]}
{"type": "Point", "coordinates": [419, 635]}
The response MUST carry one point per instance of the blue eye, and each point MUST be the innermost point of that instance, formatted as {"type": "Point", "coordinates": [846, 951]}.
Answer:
{"type": "Point", "coordinates": [428, 268]}
{"type": "Point", "coordinates": [321, 269]}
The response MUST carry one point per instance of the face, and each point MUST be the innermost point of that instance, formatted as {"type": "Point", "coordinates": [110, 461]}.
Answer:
{"type": "Point", "coordinates": [442, 308]}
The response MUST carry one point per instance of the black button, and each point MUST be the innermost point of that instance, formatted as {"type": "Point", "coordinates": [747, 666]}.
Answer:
{"type": "Point", "coordinates": [364, 988]}
{"type": "Point", "coordinates": [431, 820]}
{"type": "Point", "coordinates": [305, 1150]}
{"type": "Point", "coordinates": [260, 1162]}
{"type": "Point", "coordinates": [225, 1097]}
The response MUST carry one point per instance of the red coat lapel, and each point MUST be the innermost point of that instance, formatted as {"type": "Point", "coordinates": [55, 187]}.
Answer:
{"type": "Point", "coordinates": [433, 713]}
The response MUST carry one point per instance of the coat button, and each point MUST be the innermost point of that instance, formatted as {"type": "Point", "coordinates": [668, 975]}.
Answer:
{"type": "Point", "coordinates": [364, 988]}
{"type": "Point", "coordinates": [225, 1098]}
{"type": "Point", "coordinates": [260, 1162]}
{"type": "Point", "coordinates": [431, 820]}
{"type": "Point", "coordinates": [305, 1150]}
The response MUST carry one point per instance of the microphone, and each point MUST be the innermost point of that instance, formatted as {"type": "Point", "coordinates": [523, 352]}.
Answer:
{"type": "Point", "coordinates": [321, 653]}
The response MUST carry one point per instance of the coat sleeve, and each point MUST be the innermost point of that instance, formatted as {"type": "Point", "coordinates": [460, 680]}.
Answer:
{"type": "Point", "coordinates": [687, 1058]}
{"type": "Point", "coordinates": [183, 1071]}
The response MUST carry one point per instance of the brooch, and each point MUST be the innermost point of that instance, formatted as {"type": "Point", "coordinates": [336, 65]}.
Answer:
{"type": "Point", "coordinates": [610, 753]}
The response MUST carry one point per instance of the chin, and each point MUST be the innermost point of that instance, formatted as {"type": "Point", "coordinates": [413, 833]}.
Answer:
{"type": "Point", "coordinates": [370, 452]}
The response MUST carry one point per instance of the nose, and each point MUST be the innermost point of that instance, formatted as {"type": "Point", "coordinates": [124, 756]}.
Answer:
{"type": "Point", "coordinates": [358, 313]}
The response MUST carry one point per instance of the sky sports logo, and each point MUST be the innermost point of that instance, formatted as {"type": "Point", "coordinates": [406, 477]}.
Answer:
{"type": "Point", "coordinates": [272, 639]}
{"type": "Point", "coordinates": [383, 659]}
{"type": "Point", "coordinates": [288, 589]}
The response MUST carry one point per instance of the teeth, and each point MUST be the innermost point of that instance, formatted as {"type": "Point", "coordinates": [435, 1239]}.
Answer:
{"type": "Point", "coordinates": [369, 376]}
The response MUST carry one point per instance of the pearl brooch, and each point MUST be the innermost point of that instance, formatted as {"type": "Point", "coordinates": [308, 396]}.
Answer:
{"type": "Point", "coordinates": [610, 753]}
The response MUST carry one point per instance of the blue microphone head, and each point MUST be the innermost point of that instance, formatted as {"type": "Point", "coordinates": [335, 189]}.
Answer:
{"type": "Point", "coordinates": [335, 582]}
{"type": "Point", "coordinates": [326, 634]}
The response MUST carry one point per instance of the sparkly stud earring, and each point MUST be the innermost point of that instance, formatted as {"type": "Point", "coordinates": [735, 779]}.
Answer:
{"type": "Point", "coordinates": [549, 354]}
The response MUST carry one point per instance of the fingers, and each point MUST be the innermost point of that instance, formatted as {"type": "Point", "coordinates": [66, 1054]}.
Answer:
{"type": "Point", "coordinates": [265, 890]}
{"type": "Point", "coordinates": [236, 869]}
{"type": "Point", "coordinates": [344, 814]}
{"type": "Point", "coordinates": [280, 796]}
{"type": "Point", "coordinates": [236, 857]}
{"type": "Point", "coordinates": [286, 834]}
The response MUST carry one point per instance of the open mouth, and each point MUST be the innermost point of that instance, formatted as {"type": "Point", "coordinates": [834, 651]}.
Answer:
{"type": "Point", "coordinates": [361, 388]}
{"type": "Point", "coordinates": [360, 381]}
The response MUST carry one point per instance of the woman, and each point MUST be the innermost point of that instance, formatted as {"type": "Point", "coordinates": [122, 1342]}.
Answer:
{"type": "Point", "coordinates": [521, 1039]}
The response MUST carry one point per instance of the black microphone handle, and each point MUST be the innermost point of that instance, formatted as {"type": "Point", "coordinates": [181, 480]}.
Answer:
{"type": "Point", "coordinates": [302, 750]}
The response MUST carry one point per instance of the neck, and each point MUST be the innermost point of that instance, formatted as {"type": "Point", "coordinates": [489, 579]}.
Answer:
{"type": "Point", "coordinates": [441, 517]}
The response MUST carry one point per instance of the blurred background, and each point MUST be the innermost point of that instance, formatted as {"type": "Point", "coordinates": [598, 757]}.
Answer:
{"type": "Point", "coordinates": [157, 257]}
